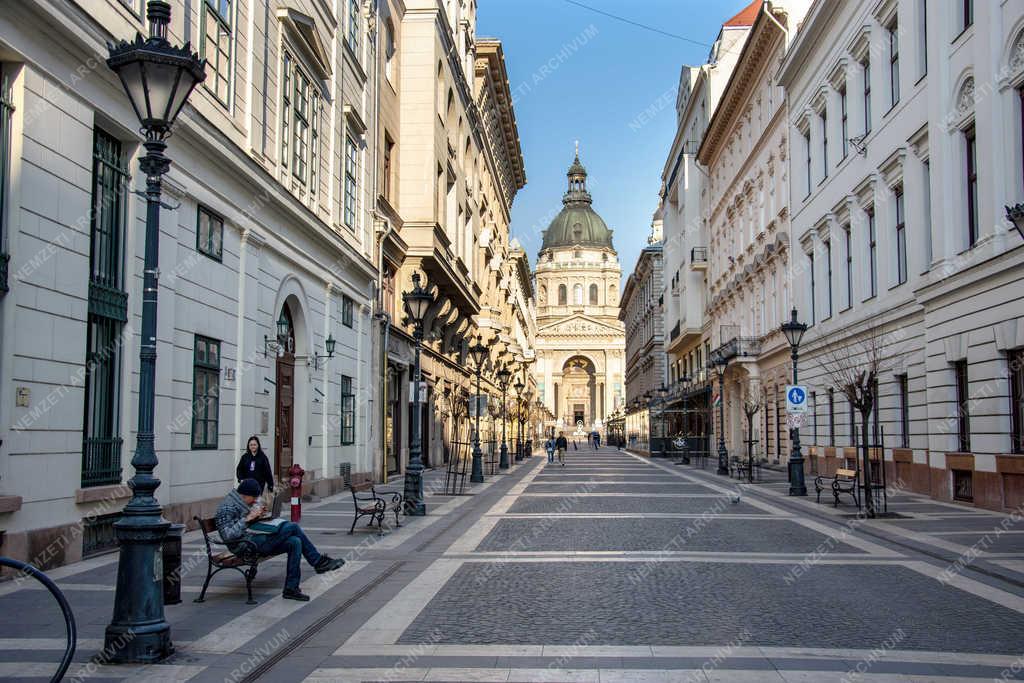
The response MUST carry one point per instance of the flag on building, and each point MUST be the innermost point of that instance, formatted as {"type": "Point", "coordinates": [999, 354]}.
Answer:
{"type": "Point", "coordinates": [718, 400]}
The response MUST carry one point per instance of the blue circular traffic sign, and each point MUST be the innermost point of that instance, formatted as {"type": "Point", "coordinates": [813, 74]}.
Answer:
{"type": "Point", "coordinates": [797, 396]}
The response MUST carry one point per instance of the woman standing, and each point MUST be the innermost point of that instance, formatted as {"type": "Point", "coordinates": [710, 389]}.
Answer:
{"type": "Point", "coordinates": [256, 465]}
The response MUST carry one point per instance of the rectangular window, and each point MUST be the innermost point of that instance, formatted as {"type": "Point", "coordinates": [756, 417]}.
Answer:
{"type": "Point", "coordinates": [922, 40]}
{"type": "Point", "coordinates": [814, 416]}
{"type": "Point", "coordinates": [210, 234]}
{"type": "Point", "coordinates": [894, 64]}
{"type": "Point", "coordinates": [348, 412]}
{"type": "Point", "coordinates": [351, 157]}
{"type": "Point", "coordinates": [831, 417]}
{"type": "Point", "coordinates": [301, 110]}
{"type": "Point", "coordinates": [389, 153]}
{"type": "Point", "coordinates": [353, 26]}
{"type": "Point", "coordinates": [828, 273]}
{"type": "Point", "coordinates": [843, 127]}
{"type": "Point", "coordinates": [205, 392]}
{"type": "Point", "coordinates": [903, 386]}
{"type": "Point", "coordinates": [967, 16]}
{"type": "Point", "coordinates": [807, 146]}
{"type": "Point", "coordinates": [866, 68]}
{"type": "Point", "coordinates": [963, 400]}
{"type": "Point", "coordinates": [972, 186]}
{"type": "Point", "coordinates": [872, 254]}
{"type": "Point", "coordinates": [848, 243]}
{"type": "Point", "coordinates": [6, 113]}
{"type": "Point", "coordinates": [901, 239]}
{"type": "Point", "coordinates": [854, 436]}
{"type": "Point", "coordinates": [1015, 361]}
{"type": "Point", "coordinates": [814, 314]}
{"type": "Point", "coordinates": [346, 311]}
{"type": "Point", "coordinates": [107, 313]}
{"type": "Point", "coordinates": [927, 183]}
{"type": "Point", "coordinates": [215, 47]}
{"type": "Point", "coordinates": [824, 144]}
{"type": "Point", "coordinates": [875, 411]}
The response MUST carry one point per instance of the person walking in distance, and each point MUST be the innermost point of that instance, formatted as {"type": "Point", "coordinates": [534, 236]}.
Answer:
{"type": "Point", "coordinates": [549, 446]}
{"type": "Point", "coordinates": [561, 444]}
{"type": "Point", "coordinates": [254, 464]}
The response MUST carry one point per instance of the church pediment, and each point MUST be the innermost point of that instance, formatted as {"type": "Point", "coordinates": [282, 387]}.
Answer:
{"type": "Point", "coordinates": [578, 325]}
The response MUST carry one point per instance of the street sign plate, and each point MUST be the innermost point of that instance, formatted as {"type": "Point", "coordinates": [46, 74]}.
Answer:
{"type": "Point", "coordinates": [795, 420]}
{"type": "Point", "coordinates": [796, 398]}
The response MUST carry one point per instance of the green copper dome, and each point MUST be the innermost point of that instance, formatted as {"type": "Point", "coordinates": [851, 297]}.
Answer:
{"type": "Point", "coordinates": [577, 224]}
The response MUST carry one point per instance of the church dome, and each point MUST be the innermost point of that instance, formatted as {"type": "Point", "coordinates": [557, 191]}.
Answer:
{"type": "Point", "coordinates": [577, 224]}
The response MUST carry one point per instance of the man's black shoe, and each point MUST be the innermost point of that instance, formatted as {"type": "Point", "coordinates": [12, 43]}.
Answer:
{"type": "Point", "coordinates": [294, 594]}
{"type": "Point", "coordinates": [328, 564]}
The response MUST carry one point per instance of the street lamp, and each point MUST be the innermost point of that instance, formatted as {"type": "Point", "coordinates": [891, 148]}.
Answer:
{"type": "Point", "coordinates": [503, 378]}
{"type": "Point", "coordinates": [479, 353]}
{"type": "Point", "coordinates": [794, 331]}
{"type": "Point", "coordinates": [158, 78]}
{"type": "Point", "coordinates": [329, 345]}
{"type": "Point", "coordinates": [417, 302]}
{"type": "Point", "coordinates": [520, 410]}
{"type": "Point", "coordinates": [1015, 214]}
{"type": "Point", "coordinates": [719, 363]}
{"type": "Point", "coordinates": [684, 387]}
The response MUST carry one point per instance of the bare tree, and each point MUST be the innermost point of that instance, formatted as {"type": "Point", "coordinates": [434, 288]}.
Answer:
{"type": "Point", "coordinates": [752, 400]}
{"type": "Point", "coordinates": [853, 365]}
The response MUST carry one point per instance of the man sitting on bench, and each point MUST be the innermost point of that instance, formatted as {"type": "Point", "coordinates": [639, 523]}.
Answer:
{"type": "Point", "coordinates": [236, 518]}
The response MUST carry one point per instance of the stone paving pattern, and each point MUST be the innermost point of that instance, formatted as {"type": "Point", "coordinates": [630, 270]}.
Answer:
{"type": "Point", "coordinates": [605, 591]}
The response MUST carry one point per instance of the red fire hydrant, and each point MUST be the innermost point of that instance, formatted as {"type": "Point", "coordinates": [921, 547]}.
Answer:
{"type": "Point", "coordinates": [295, 474]}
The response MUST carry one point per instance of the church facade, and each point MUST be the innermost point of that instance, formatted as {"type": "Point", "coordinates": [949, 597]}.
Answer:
{"type": "Point", "coordinates": [580, 339]}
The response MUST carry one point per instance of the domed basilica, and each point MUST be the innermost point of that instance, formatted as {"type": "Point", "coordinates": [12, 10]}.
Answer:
{"type": "Point", "coordinates": [580, 340]}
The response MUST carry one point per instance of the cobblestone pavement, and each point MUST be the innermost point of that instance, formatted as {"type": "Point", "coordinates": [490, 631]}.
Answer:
{"type": "Point", "coordinates": [613, 568]}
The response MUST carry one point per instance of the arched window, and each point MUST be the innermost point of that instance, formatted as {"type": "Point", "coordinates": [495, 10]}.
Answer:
{"type": "Point", "coordinates": [577, 295]}
{"type": "Point", "coordinates": [562, 295]}
{"type": "Point", "coordinates": [593, 295]}
{"type": "Point", "coordinates": [543, 294]}
{"type": "Point", "coordinates": [611, 295]}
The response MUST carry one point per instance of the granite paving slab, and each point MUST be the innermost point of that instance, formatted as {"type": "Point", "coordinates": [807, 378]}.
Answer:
{"type": "Point", "coordinates": [635, 534]}
{"type": "Point", "coordinates": [748, 601]}
{"type": "Point", "coordinates": [627, 504]}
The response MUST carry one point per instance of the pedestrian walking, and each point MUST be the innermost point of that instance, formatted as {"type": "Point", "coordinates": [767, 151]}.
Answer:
{"type": "Point", "coordinates": [549, 446]}
{"type": "Point", "coordinates": [255, 464]}
{"type": "Point", "coordinates": [597, 439]}
{"type": "Point", "coordinates": [561, 445]}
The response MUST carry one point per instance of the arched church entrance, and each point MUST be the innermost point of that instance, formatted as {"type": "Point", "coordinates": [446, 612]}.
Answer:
{"type": "Point", "coordinates": [579, 379]}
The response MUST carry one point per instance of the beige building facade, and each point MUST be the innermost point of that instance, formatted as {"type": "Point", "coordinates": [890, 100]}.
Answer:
{"type": "Point", "coordinates": [580, 369]}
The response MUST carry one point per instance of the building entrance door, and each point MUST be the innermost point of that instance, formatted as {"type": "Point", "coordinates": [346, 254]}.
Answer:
{"type": "Point", "coordinates": [284, 424]}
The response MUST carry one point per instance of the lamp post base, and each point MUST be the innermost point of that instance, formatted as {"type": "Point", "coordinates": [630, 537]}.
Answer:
{"type": "Point", "coordinates": [723, 461]}
{"type": "Point", "coordinates": [797, 487]}
{"type": "Point", "coordinates": [477, 474]}
{"type": "Point", "coordinates": [138, 632]}
{"type": "Point", "coordinates": [503, 458]}
{"type": "Point", "coordinates": [413, 503]}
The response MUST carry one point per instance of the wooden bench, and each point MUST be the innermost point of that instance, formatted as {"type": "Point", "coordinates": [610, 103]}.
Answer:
{"type": "Point", "coordinates": [244, 559]}
{"type": "Point", "coordinates": [369, 503]}
{"type": "Point", "coordinates": [844, 481]}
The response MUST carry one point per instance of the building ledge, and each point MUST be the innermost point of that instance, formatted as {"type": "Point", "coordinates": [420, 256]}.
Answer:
{"type": "Point", "coordinates": [94, 494]}
{"type": "Point", "coordinates": [10, 504]}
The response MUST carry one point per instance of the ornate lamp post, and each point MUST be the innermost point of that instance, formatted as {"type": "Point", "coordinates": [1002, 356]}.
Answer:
{"type": "Point", "coordinates": [719, 363]}
{"type": "Point", "coordinates": [1015, 214]}
{"type": "Point", "coordinates": [416, 302]}
{"type": "Point", "coordinates": [794, 331]}
{"type": "Point", "coordinates": [684, 387]}
{"type": "Point", "coordinates": [518, 386]}
{"type": "Point", "coordinates": [503, 378]}
{"type": "Point", "coordinates": [479, 353]}
{"type": "Point", "coordinates": [158, 79]}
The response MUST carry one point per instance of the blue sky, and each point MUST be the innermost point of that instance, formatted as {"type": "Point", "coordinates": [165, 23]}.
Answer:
{"type": "Point", "coordinates": [575, 73]}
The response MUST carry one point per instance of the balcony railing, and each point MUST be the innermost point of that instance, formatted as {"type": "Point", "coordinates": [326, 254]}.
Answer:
{"type": "Point", "coordinates": [675, 331]}
{"type": "Point", "coordinates": [739, 347]}
{"type": "Point", "coordinates": [101, 462]}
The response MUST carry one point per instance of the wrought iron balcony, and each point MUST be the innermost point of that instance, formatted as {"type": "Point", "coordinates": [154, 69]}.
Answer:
{"type": "Point", "coordinates": [735, 345]}
{"type": "Point", "coordinates": [675, 331]}
{"type": "Point", "coordinates": [101, 462]}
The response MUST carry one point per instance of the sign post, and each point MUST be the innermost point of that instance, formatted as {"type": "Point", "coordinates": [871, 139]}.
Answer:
{"type": "Point", "coordinates": [796, 399]}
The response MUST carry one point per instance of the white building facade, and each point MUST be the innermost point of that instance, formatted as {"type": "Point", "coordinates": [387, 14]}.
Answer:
{"type": "Point", "coordinates": [746, 201]}
{"type": "Point", "coordinates": [265, 253]}
{"type": "Point", "coordinates": [905, 120]}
